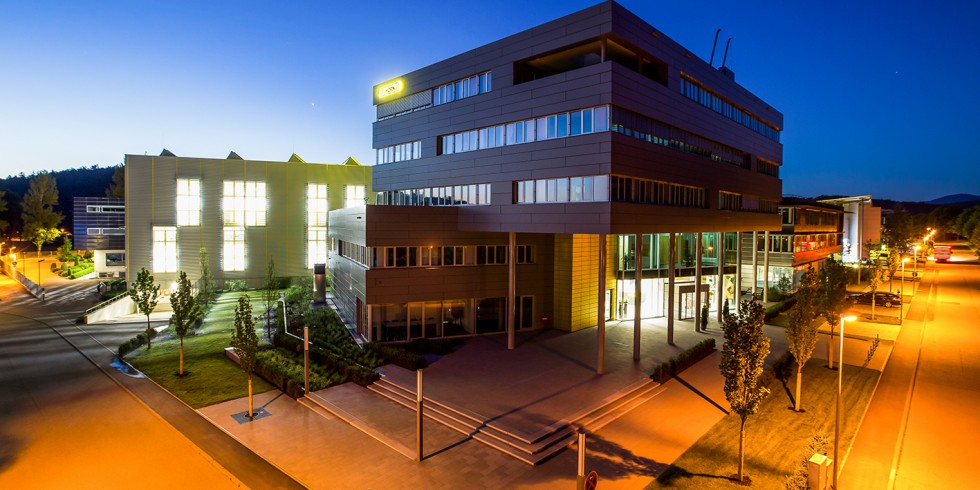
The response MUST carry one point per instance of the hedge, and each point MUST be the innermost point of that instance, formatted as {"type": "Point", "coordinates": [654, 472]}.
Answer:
{"type": "Point", "coordinates": [136, 342]}
{"type": "Point", "coordinates": [684, 360]}
{"type": "Point", "coordinates": [280, 368]}
{"type": "Point", "coordinates": [319, 356]}
{"type": "Point", "coordinates": [774, 310]}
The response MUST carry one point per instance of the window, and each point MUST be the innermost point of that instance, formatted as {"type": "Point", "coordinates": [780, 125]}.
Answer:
{"type": "Point", "coordinates": [695, 91]}
{"type": "Point", "coordinates": [188, 202]}
{"type": "Point", "coordinates": [115, 259]}
{"type": "Point", "coordinates": [562, 125]}
{"type": "Point", "coordinates": [523, 254]}
{"type": "Point", "coordinates": [491, 254]}
{"type": "Point", "coordinates": [400, 152]}
{"type": "Point", "coordinates": [460, 89]}
{"type": "Point", "coordinates": [316, 246]}
{"type": "Point", "coordinates": [652, 131]}
{"type": "Point", "coordinates": [354, 196]}
{"type": "Point", "coordinates": [729, 200]}
{"type": "Point", "coordinates": [244, 203]}
{"type": "Point", "coordinates": [105, 231]}
{"type": "Point", "coordinates": [233, 258]}
{"type": "Point", "coordinates": [164, 249]}
{"type": "Point", "coordinates": [317, 206]}
{"type": "Point", "coordinates": [106, 209]}
{"type": "Point", "coordinates": [456, 195]}
{"type": "Point", "coordinates": [589, 188]}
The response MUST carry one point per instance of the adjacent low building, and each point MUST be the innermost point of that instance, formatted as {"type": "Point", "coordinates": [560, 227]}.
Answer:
{"type": "Point", "coordinates": [243, 213]}
{"type": "Point", "coordinates": [862, 226]}
{"type": "Point", "coordinates": [100, 226]}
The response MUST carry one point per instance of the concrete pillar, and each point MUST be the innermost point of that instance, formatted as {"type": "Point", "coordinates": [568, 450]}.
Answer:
{"type": "Point", "coordinates": [765, 268]}
{"type": "Point", "coordinates": [637, 282]}
{"type": "Point", "coordinates": [720, 286]}
{"type": "Point", "coordinates": [511, 287]}
{"type": "Point", "coordinates": [738, 271]}
{"type": "Point", "coordinates": [755, 262]}
{"type": "Point", "coordinates": [370, 324]}
{"type": "Point", "coordinates": [672, 245]}
{"type": "Point", "coordinates": [601, 313]}
{"type": "Point", "coordinates": [697, 280]}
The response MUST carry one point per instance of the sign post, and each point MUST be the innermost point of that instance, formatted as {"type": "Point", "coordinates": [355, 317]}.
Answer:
{"type": "Point", "coordinates": [306, 361]}
{"type": "Point", "coordinates": [418, 411]}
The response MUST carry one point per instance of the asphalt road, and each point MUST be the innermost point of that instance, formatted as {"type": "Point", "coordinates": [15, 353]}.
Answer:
{"type": "Point", "coordinates": [70, 420]}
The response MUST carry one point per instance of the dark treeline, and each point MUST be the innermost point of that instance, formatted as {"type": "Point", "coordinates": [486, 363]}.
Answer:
{"type": "Point", "coordinates": [74, 182]}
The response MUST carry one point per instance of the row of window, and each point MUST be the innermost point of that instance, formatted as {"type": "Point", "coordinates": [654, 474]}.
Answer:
{"type": "Point", "coordinates": [766, 167]}
{"type": "Point", "coordinates": [729, 200]}
{"type": "Point", "coordinates": [353, 251]}
{"type": "Point", "coordinates": [461, 89]}
{"type": "Point", "coordinates": [562, 125]}
{"type": "Point", "coordinates": [652, 131]}
{"type": "Point", "coordinates": [105, 231]}
{"type": "Point", "coordinates": [233, 257]}
{"type": "Point", "coordinates": [244, 203]}
{"type": "Point", "coordinates": [387, 257]}
{"type": "Point", "coordinates": [630, 189]}
{"type": "Point", "coordinates": [589, 188]}
{"type": "Point", "coordinates": [400, 152]}
{"type": "Point", "coordinates": [799, 243]}
{"type": "Point", "coordinates": [450, 195]}
{"type": "Point", "coordinates": [106, 209]}
{"type": "Point", "coordinates": [698, 93]}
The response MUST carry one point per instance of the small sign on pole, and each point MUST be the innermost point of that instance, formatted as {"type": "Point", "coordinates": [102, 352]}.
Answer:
{"type": "Point", "coordinates": [591, 480]}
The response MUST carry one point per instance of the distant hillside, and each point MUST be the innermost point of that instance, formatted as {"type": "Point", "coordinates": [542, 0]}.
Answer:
{"type": "Point", "coordinates": [956, 199]}
{"type": "Point", "coordinates": [81, 182]}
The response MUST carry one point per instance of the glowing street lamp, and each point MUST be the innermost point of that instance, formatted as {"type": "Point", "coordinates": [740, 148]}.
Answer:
{"type": "Point", "coordinates": [915, 266]}
{"type": "Point", "coordinates": [901, 297]}
{"type": "Point", "coordinates": [840, 382]}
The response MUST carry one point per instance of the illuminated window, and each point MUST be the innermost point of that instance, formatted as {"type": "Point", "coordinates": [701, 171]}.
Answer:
{"type": "Point", "coordinates": [244, 203]}
{"type": "Point", "coordinates": [316, 246]}
{"type": "Point", "coordinates": [188, 202]}
{"type": "Point", "coordinates": [164, 249]}
{"type": "Point", "coordinates": [316, 205]}
{"type": "Point", "coordinates": [355, 196]}
{"type": "Point", "coordinates": [233, 258]}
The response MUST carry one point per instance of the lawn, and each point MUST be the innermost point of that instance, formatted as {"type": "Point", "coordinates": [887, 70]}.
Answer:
{"type": "Point", "coordinates": [774, 437]}
{"type": "Point", "coordinates": [210, 377]}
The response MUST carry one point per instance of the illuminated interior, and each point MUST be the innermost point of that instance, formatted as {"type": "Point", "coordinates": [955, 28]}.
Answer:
{"type": "Point", "coordinates": [316, 224]}
{"type": "Point", "coordinates": [164, 249]}
{"type": "Point", "coordinates": [233, 258]}
{"type": "Point", "coordinates": [244, 203]}
{"type": "Point", "coordinates": [355, 196]}
{"type": "Point", "coordinates": [188, 202]}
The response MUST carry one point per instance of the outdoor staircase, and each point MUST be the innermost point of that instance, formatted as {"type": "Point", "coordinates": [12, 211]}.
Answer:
{"type": "Point", "coordinates": [534, 448]}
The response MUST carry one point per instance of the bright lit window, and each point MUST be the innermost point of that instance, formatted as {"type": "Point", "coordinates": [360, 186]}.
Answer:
{"type": "Point", "coordinates": [316, 246]}
{"type": "Point", "coordinates": [164, 249]}
{"type": "Point", "coordinates": [355, 196]}
{"type": "Point", "coordinates": [316, 205]}
{"type": "Point", "coordinates": [233, 258]}
{"type": "Point", "coordinates": [188, 202]}
{"type": "Point", "coordinates": [244, 203]}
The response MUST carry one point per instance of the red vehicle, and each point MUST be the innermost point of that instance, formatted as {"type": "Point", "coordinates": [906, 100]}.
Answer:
{"type": "Point", "coordinates": [942, 253]}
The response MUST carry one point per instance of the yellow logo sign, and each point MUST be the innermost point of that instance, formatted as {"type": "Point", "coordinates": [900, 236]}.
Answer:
{"type": "Point", "coordinates": [391, 88]}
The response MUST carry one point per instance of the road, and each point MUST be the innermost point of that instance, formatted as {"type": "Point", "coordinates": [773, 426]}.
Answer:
{"type": "Point", "coordinates": [920, 430]}
{"type": "Point", "coordinates": [70, 420]}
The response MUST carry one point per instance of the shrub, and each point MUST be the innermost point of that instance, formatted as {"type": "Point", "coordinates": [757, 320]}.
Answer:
{"type": "Point", "coordinates": [282, 369]}
{"type": "Point", "coordinates": [797, 480]}
{"type": "Point", "coordinates": [684, 360]}
{"type": "Point", "coordinates": [774, 310]}
{"type": "Point", "coordinates": [397, 355]}
{"type": "Point", "coordinates": [236, 285]}
{"type": "Point", "coordinates": [136, 342]}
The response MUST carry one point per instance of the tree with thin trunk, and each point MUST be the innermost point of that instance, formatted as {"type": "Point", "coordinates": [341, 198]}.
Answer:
{"type": "Point", "coordinates": [743, 359]}
{"type": "Point", "coordinates": [269, 294]}
{"type": "Point", "coordinates": [40, 219]}
{"type": "Point", "coordinates": [877, 275]}
{"type": "Point", "coordinates": [894, 263]}
{"type": "Point", "coordinates": [186, 312]}
{"type": "Point", "coordinates": [207, 279]}
{"type": "Point", "coordinates": [245, 343]}
{"type": "Point", "coordinates": [801, 333]}
{"type": "Point", "coordinates": [833, 298]}
{"type": "Point", "coordinates": [145, 294]}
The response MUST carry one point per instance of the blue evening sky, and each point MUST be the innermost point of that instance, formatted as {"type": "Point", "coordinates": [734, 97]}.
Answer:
{"type": "Point", "coordinates": [879, 98]}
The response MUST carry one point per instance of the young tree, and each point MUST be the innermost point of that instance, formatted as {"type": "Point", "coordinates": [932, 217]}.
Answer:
{"type": "Point", "coordinates": [742, 363]}
{"type": "Point", "coordinates": [833, 299]}
{"type": "Point", "coordinates": [145, 294]}
{"type": "Point", "coordinates": [66, 254]}
{"type": "Point", "coordinates": [207, 278]}
{"type": "Point", "coordinates": [186, 312]}
{"type": "Point", "coordinates": [40, 219]}
{"type": "Point", "coordinates": [269, 294]}
{"type": "Point", "coordinates": [877, 275]}
{"type": "Point", "coordinates": [245, 342]}
{"type": "Point", "coordinates": [894, 263]}
{"type": "Point", "coordinates": [801, 334]}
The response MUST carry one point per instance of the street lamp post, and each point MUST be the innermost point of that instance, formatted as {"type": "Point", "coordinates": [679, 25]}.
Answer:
{"type": "Point", "coordinates": [840, 382]}
{"type": "Point", "coordinates": [901, 298]}
{"type": "Point", "coordinates": [39, 271]}
{"type": "Point", "coordinates": [915, 266]}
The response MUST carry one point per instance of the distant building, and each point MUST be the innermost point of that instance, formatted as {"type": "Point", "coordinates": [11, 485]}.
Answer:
{"type": "Point", "coordinates": [100, 226]}
{"type": "Point", "coordinates": [862, 225]}
{"type": "Point", "coordinates": [243, 212]}
{"type": "Point", "coordinates": [587, 169]}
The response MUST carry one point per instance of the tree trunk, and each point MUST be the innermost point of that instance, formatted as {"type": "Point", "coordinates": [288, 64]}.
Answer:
{"type": "Point", "coordinates": [872, 307]}
{"type": "Point", "coordinates": [741, 451]}
{"type": "Point", "coordinates": [799, 383]}
{"type": "Point", "coordinates": [830, 348]}
{"type": "Point", "coordinates": [182, 356]}
{"type": "Point", "coordinates": [251, 413]}
{"type": "Point", "coordinates": [148, 332]}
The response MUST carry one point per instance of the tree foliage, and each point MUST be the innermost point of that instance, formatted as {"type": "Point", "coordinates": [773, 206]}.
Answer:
{"type": "Point", "coordinates": [833, 298]}
{"type": "Point", "coordinates": [206, 291]}
{"type": "Point", "coordinates": [245, 342]}
{"type": "Point", "coordinates": [968, 222]}
{"type": "Point", "coordinates": [3, 209]}
{"type": "Point", "coordinates": [270, 288]}
{"type": "Point", "coordinates": [801, 333]}
{"type": "Point", "coordinates": [899, 230]}
{"type": "Point", "coordinates": [874, 280]}
{"type": "Point", "coordinates": [118, 186]}
{"type": "Point", "coordinates": [186, 312]}
{"type": "Point", "coordinates": [40, 219]}
{"type": "Point", "coordinates": [743, 359]}
{"type": "Point", "coordinates": [146, 295]}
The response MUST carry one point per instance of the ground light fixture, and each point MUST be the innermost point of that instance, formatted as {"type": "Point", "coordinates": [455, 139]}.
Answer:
{"type": "Point", "coordinates": [840, 379]}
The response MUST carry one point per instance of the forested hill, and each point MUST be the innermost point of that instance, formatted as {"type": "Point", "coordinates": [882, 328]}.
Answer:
{"type": "Point", "coordinates": [76, 182]}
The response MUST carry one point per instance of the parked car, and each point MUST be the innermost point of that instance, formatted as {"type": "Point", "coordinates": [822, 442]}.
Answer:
{"type": "Point", "coordinates": [887, 300]}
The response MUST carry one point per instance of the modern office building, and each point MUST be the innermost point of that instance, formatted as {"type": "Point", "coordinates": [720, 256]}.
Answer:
{"type": "Point", "coordinates": [586, 169]}
{"type": "Point", "coordinates": [100, 226]}
{"type": "Point", "coordinates": [244, 213]}
{"type": "Point", "coordinates": [862, 226]}
{"type": "Point", "coordinates": [812, 232]}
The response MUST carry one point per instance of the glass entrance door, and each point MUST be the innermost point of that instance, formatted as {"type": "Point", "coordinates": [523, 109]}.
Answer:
{"type": "Point", "coordinates": [524, 312]}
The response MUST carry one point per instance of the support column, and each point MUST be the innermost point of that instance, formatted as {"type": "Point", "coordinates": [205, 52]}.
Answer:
{"type": "Point", "coordinates": [755, 263]}
{"type": "Point", "coordinates": [697, 280]}
{"type": "Point", "coordinates": [637, 282]}
{"type": "Point", "coordinates": [738, 272]}
{"type": "Point", "coordinates": [765, 268]}
{"type": "Point", "coordinates": [601, 313]}
{"type": "Point", "coordinates": [672, 257]}
{"type": "Point", "coordinates": [511, 288]}
{"type": "Point", "coordinates": [720, 286]}
{"type": "Point", "coordinates": [370, 324]}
